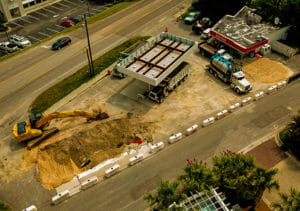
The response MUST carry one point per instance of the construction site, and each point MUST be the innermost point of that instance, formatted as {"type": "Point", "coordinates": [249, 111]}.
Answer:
{"type": "Point", "coordinates": [167, 86]}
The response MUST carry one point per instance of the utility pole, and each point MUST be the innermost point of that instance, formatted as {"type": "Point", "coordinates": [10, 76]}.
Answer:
{"type": "Point", "coordinates": [88, 7]}
{"type": "Point", "coordinates": [89, 45]}
{"type": "Point", "coordinates": [88, 57]}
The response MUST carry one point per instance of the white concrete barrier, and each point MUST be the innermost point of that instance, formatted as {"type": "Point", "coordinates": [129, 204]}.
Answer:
{"type": "Point", "coordinates": [281, 84]}
{"type": "Point", "coordinates": [222, 114]}
{"type": "Point", "coordinates": [60, 197]}
{"type": "Point", "coordinates": [259, 95]}
{"type": "Point", "coordinates": [272, 89]}
{"type": "Point", "coordinates": [112, 170]}
{"type": "Point", "coordinates": [175, 138]}
{"type": "Point", "coordinates": [31, 208]}
{"type": "Point", "coordinates": [93, 171]}
{"type": "Point", "coordinates": [246, 101]}
{"type": "Point", "coordinates": [136, 159]}
{"type": "Point", "coordinates": [89, 183]}
{"type": "Point", "coordinates": [234, 107]}
{"type": "Point", "coordinates": [192, 129]}
{"type": "Point", "coordinates": [156, 147]}
{"type": "Point", "coordinates": [208, 121]}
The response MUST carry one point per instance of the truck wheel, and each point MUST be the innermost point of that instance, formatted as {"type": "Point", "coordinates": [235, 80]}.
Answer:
{"type": "Point", "coordinates": [202, 53]}
{"type": "Point", "coordinates": [211, 71]}
{"type": "Point", "coordinates": [216, 75]}
{"type": "Point", "coordinates": [237, 90]}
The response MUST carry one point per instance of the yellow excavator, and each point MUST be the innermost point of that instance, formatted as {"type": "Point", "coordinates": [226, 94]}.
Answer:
{"type": "Point", "coordinates": [34, 129]}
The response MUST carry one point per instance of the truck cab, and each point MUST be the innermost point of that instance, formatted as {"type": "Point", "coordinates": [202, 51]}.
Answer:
{"type": "Point", "coordinates": [239, 83]}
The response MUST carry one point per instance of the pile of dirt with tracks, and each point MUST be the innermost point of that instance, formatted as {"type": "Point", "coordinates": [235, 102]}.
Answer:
{"type": "Point", "coordinates": [267, 71]}
{"type": "Point", "coordinates": [63, 156]}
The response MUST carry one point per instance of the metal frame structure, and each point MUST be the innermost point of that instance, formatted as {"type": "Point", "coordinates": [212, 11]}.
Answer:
{"type": "Point", "coordinates": [157, 59]}
{"type": "Point", "coordinates": [211, 201]}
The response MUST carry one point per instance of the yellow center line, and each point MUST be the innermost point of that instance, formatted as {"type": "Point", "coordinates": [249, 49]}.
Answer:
{"type": "Point", "coordinates": [75, 54]}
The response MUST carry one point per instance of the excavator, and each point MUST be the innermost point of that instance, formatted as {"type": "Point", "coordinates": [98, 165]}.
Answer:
{"type": "Point", "coordinates": [34, 130]}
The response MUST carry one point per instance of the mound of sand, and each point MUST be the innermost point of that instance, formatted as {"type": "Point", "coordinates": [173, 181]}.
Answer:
{"type": "Point", "coordinates": [266, 71]}
{"type": "Point", "coordinates": [87, 144]}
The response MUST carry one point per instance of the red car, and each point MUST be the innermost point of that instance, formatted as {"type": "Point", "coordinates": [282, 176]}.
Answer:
{"type": "Point", "coordinates": [67, 23]}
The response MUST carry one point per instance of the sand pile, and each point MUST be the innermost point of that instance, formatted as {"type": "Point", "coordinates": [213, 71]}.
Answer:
{"type": "Point", "coordinates": [87, 144]}
{"type": "Point", "coordinates": [266, 71]}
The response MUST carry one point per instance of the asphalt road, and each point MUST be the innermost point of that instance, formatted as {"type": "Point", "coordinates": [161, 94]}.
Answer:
{"type": "Point", "coordinates": [26, 75]}
{"type": "Point", "coordinates": [125, 191]}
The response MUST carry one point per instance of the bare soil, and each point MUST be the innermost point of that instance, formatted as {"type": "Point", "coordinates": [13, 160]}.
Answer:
{"type": "Point", "coordinates": [268, 71]}
{"type": "Point", "coordinates": [63, 156]}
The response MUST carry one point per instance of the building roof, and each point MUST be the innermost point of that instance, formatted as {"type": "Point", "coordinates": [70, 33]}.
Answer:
{"type": "Point", "coordinates": [243, 31]}
{"type": "Point", "coordinates": [155, 60]}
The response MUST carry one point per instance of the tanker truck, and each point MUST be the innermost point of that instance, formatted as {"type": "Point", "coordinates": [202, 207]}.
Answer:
{"type": "Point", "coordinates": [225, 69]}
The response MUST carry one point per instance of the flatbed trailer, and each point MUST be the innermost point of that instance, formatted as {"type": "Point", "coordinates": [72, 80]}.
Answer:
{"type": "Point", "coordinates": [207, 49]}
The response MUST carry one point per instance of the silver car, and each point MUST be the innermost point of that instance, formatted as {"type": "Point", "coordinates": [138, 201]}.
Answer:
{"type": "Point", "coordinates": [8, 47]}
{"type": "Point", "coordinates": [20, 41]}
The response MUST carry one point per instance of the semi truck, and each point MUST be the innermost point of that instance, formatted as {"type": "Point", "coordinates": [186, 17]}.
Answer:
{"type": "Point", "coordinates": [174, 79]}
{"type": "Point", "coordinates": [225, 69]}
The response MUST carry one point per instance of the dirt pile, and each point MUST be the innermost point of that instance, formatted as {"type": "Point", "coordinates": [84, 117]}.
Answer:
{"type": "Point", "coordinates": [266, 71]}
{"type": "Point", "coordinates": [87, 144]}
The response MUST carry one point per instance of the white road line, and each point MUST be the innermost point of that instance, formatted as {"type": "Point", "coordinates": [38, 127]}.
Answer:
{"type": "Point", "coordinates": [33, 38]}
{"type": "Point", "coordinates": [41, 14]}
{"type": "Point", "coordinates": [70, 2]}
{"type": "Point", "coordinates": [17, 24]}
{"type": "Point", "coordinates": [46, 35]}
{"type": "Point", "coordinates": [23, 19]}
{"type": "Point", "coordinates": [96, 10]}
{"type": "Point", "coordinates": [56, 8]}
{"type": "Point", "coordinates": [59, 26]}
{"type": "Point", "coordinates": [49, 11]}
{"type": "Point", "coordinates": [52, 30]}
{"type": "Point", "coordinates": [59, 3]}
{"type": "Point", "coordinates": [33, 17]}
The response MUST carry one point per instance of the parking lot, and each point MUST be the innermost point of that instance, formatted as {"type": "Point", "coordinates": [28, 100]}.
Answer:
{"type": "Point", "coordinates": [45, 22]}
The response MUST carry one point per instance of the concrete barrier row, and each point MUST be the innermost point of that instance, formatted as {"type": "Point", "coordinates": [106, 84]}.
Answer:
{"type": "Point", "coordinates": [234, 107]}
{"type": "Point", "coordinates": [31, 208]}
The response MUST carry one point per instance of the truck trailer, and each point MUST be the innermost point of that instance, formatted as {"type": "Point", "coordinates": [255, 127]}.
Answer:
{"type": "Point", "coordinates": [174, 79]}
{"type": "Point", "coordinates": [226, 70]}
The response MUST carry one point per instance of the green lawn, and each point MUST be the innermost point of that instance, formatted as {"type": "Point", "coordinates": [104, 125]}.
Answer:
{"type": "Point", "coordinates": [69, 84]}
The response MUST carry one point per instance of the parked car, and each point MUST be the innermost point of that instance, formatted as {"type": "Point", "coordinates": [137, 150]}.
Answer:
{"type": "Point", "coordinates": [61, 42]}
{"type": "Point", "coordinates": [76, 19]}
{"type": "Point", "coordinates": [67, 23]}
{"type": "Point", "coordinates": [20, 41]}
{"type": "Point", "coordinates": [200, 25]}
{"type": "Point", "coordinates": [192, 17]}
{"type": "Point", "coordinates": [8, 47]}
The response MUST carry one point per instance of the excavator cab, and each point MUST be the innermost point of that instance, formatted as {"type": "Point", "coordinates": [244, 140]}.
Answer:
{"type": "Point", "coordinates": [33, 118]}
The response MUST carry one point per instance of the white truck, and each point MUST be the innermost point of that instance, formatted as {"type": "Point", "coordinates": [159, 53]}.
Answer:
{"type": "Point", "coordinates": [174, 79]}
{"type": "Point", "coordinates": [223, 67]}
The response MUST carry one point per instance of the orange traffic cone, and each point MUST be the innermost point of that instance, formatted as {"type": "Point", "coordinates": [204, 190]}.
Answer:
{"type": "Point", "coordinates": [166, 29]}
{"type": "Point", "coordinates": [178, 19]}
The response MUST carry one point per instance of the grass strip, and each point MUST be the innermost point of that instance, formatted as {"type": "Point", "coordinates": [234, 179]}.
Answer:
{"type": "Point", "coordinates": [104, 14]}
{"type": "Point", "coordinates": [72, 82]}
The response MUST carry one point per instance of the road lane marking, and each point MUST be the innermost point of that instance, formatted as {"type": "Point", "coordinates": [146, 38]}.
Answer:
{"type": "Point", "coordinates": [56, 8]}
{"type": "Point", "coordinates": [46, 35]}
{"type": "Point", "coordinates": [59, 26]}
{"type": "Point", "coordinates": [41, 14]}
{"type": "Point", "coordinates": [52, 30]}
{"type": "Point", "coordinates": [50, 11]}
{"type": "Point", "coordinates": [33, 17]}
{"type": "Point", "coordinates": [23, 19]}
{"type": "Point", "coordinates": [97, 41]}
{"type": "Point", "coordinates": [63, 5]}
{"type": "Point", "coordinates": [32, 37]}
{"type": "Point", "coordinates": [70, 2]}
{"type": "Point", "coordinates": [17, 24]}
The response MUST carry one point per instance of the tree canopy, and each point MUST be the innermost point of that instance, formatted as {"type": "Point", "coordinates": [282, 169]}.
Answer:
{"type": "Point", "coordinates": [289, 202]}
{"type": "Point", "coordinates": [235, 174]}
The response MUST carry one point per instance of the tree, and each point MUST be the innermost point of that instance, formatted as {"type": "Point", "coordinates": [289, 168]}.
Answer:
{"type": "Point", "coordinates": [4, 206]}
{"type": "Point", "coordinates": [240, 179]}
{"type": "Point", "coordinates": [294, 128]}
{"type": "Point", "coordinates": [197, 177]}
{"type": "Point", "coordinates": [289, 202]}
{"type": "Point", "coordinates": [167, 193]}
